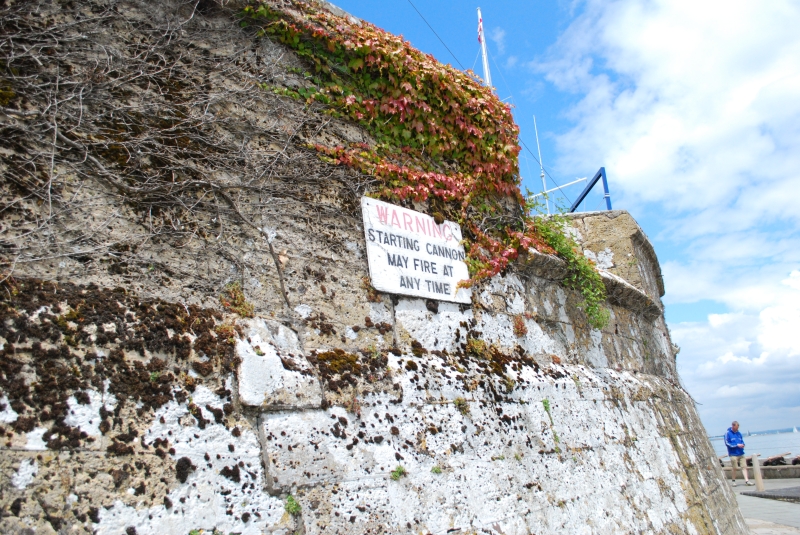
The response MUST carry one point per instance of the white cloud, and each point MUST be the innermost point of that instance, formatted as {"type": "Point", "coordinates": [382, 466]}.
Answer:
{"type": "Point", "coordinates": [793, 281]}
{"type": "Point", "coordinates": [693, 109]}
{"type": "Point", "coordinates": [511, 62]}
{"type": "Point", "coordinates": [691, 104]}
{"type": "Point", "coordinates": [744, 366]}
{"type": "Point", "coordinates": [498, 37]}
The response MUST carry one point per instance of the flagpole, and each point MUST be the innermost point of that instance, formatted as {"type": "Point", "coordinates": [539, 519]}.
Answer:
{"type": "Point", "coordinates": [487, 77]}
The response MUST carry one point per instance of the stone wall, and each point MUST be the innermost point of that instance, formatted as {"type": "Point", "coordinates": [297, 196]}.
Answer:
{"type": "Point", "coordinates": [507, 416]}
{"type": "Point", "coordinates": [132, 400]}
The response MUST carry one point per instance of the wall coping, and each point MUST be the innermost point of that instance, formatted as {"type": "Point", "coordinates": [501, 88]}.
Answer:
{"type": "Point", "coordinates": [620, 292]}
{"type": "Point", "coordinates": [639, 238]}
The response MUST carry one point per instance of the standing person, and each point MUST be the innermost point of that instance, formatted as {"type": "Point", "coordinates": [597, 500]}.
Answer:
{"type": "Point", "coordinates": [735, 444]}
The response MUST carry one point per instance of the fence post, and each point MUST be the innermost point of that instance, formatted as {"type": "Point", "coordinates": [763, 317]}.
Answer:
{"type": "Point", "coordinates": [757, 474]}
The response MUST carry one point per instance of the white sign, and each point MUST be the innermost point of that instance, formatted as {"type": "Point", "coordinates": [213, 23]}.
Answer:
{"type": "Point", "coordinates": [410, 254]}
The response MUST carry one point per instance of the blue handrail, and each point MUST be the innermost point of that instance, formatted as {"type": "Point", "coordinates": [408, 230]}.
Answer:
{"type": "Point", "coordinates": [606, 195]}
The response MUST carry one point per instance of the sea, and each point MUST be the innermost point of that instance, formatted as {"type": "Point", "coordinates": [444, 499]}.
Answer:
{"type": "Point", "coordinates": [767, 443]}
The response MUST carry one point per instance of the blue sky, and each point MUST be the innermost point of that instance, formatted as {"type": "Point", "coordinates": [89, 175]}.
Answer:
{"type": "Point", "coordinates": [693, 107]}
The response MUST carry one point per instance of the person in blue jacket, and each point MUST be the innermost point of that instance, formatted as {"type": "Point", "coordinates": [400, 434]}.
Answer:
{"type": "Point", "coordinates": [735, 444]}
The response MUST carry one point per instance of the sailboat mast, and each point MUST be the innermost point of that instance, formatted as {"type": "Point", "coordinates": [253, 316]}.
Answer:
{"type": "Point", "coordinates": [541, 166]}
{"type": "Point", "coordinates": [487, 77]}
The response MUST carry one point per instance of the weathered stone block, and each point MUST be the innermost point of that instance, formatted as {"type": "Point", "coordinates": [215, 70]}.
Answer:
{"type": "Point", "coordinates": [273, 371]}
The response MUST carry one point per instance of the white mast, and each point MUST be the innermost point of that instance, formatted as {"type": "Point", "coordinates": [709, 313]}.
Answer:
{"type": "Point", "coordinates": [541, 166]}
{"type": "Point", "coordinates": [487, 77]}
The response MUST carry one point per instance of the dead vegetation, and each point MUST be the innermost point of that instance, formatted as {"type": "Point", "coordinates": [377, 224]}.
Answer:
{"type": "Point", "coordinates": [136, 152]}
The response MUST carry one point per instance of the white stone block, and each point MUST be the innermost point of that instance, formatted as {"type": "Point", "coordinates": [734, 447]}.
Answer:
{"type": "Point", "coordinates": [274, 372]}
{"type": "Point", "coordinates": [226, 481]}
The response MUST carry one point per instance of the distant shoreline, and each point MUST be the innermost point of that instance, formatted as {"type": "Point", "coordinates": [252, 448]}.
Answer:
{"type": "Point", "coordinates": [757, 433]}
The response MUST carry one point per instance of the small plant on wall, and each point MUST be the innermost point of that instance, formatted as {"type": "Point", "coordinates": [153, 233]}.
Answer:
{"type": "Point", "coordinates": [233, 299]}
{"type": "Point", "coordinates": [398, 472]}
{"type": "Point", "coordinates": [520, 329]}
{"type": "Point", "coordinates": [462, 405]}
{"type": "Point", "coordinates": [292, 506]}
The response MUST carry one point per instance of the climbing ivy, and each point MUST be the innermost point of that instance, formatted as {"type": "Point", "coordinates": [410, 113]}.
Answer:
{"type": "Point", "coordinates": [440, 136]}
{"type": "Point", "coordinates": [581, 273]}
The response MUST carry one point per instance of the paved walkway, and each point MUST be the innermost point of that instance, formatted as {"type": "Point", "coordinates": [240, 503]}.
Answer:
{"type": "Point", "coordinates": [761, 527]}
{"type": "Point", "coordinates": [769, 517]}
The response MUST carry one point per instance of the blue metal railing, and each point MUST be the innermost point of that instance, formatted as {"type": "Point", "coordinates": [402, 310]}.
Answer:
{"type": "Point", "coordinates": [606, 195]}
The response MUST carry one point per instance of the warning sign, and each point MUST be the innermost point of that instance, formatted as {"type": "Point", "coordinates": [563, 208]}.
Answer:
{"type": "Point", "coordinates": [410, 254]}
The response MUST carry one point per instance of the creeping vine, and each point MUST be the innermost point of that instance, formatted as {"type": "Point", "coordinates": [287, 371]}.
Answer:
{"type": "Point", "coordinates": [440, 137]}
